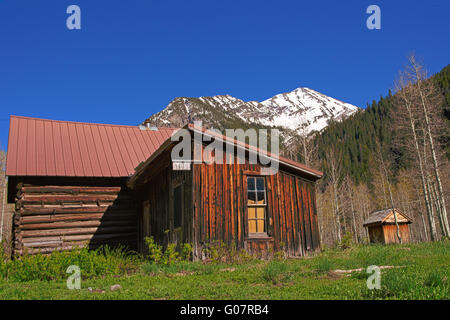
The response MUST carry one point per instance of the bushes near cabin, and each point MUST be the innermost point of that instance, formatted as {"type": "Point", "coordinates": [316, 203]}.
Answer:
{"type": "Point", "coordinates": [92, 263]}
{"type": "Point", "coordinates": [170, 255]}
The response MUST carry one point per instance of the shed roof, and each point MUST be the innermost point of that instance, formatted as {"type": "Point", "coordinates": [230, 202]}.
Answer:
{"type": "Point", "coordinates": [386, 216]}
{"type": "Point", "coordinates": [39, 147]}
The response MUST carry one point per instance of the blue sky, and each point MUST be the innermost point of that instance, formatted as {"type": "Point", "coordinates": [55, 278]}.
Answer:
{"type": "Point", "coordinates": [131, 58]}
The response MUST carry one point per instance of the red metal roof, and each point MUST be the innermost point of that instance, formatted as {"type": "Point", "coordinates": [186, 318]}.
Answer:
{"type": "Point", "coordinates": [39, 147]}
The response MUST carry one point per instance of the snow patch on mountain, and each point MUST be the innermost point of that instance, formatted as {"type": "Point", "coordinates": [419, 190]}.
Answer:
{"type": "Point", "coordinates": [304, 110]}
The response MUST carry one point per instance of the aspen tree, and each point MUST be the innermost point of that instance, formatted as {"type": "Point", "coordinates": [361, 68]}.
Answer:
{"type": "Point", "coordinates": [419, 74]}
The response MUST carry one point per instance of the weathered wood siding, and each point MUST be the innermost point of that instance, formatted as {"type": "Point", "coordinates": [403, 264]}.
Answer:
{"type": "Point", "coordinates": [215, 207]}
{"type": "Point", "coordinates": [60, 217]}
{"type": "Point", "coordinates": [156, 189]}
{"type": "Point", "coordinates": [387, 233]}
{"type": "Point", "coordinates": [390, 233]}
{"type": "Point", "coordinates": [220, 210]}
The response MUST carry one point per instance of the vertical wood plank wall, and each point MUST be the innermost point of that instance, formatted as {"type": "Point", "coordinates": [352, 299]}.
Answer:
{"type": "Point", "coordinates": [220, 210]}
{"type": "Point", "coordinates": [387, 233]}
{"type": "Point", "coordinates": [390, 233]}
{"type": "Point", "coordinates": [158, 191]}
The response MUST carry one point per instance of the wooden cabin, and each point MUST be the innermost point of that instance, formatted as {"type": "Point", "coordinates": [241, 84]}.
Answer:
{"type": "Point", "coordinates": [68, 182]}
{"type": "Point", "coordinates": [382, 229]}
{"type": "Point", "coordinates": [237, 204]}
{"type": "Point", "coordinates": [78, 184]}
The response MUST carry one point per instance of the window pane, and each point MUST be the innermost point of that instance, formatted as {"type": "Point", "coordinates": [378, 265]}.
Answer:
{"type": "Point", "coordinates": [250, 183]}
{"type": "Point", "coordinates": [260, 213]}
{"type": "Point", "coordinates": [260, 184]}
{"type": "Point", "coordinates": [260, 225]}
{"type": "Point", "coordinates": [251, 226]}
{"type": "Point", "coordinates": [251, 197]}
{"type": "Point", "coordinates": [251, 213]}
{"type": "Point", "coordinates": [260, 197]}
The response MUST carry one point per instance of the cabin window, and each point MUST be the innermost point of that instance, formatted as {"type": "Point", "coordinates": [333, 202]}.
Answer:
{"type": "Point", "coordinates": [256, 205]}
{"type": "Point", "coordinates": [177, 206]}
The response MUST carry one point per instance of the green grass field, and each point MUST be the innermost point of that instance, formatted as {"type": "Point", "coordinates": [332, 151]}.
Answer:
{"type": "Point", "coordinates": [423, 273]}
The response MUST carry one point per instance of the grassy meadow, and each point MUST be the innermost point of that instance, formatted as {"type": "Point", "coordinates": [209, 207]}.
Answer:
{"type": "Point", "coordinates": [421, 271]}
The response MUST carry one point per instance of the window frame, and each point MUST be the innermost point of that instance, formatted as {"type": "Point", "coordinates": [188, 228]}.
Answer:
{"type": "Point", "coordinates": [263, 234]}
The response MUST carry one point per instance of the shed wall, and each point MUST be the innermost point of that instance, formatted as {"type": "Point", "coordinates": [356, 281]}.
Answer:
{"type": "Point", "coordinates": [390, 233]}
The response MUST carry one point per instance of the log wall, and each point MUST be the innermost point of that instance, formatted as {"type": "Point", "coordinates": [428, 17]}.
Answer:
{"type": "Point", "coordinates": [61, 217]}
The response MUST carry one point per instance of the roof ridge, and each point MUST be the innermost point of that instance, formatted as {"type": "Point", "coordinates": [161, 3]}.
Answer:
{"type": "Point", "coordinates": [88, 123]}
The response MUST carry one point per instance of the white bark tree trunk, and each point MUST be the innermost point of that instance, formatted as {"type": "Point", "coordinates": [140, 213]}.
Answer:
{"type": "Point", "coordinates": [441, 199]}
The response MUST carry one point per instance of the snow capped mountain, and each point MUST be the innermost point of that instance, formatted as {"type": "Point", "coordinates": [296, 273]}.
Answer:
{"type": "Point", "coordinates": [304, 110]}
{"type": "Point", "coordinates": [300, 111]}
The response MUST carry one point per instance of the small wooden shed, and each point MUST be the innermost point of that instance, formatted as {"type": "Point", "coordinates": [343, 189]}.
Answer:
{"type": "Point", "coordinates": [382, 229]}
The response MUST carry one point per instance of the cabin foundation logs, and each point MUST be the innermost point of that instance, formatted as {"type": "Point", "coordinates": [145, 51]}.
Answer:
{"type": "Point", "coordinates": [49, 218]}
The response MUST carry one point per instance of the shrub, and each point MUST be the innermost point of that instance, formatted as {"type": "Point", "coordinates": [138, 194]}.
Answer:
{"type": "Point", "coordinates": [279, 255]}
{"type": "Point", "coordinates": [155, 251]}
{"type": "Point", "coordinates": [346, 241]}
{"type": "Point", "coordinates": [220, 252]}
{"type": "Point", "coordinates": [169, 256]}
{"type": "Point", "coordinates": [186, 252]}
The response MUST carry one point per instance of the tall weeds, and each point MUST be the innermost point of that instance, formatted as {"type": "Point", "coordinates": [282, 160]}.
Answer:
{"type": "Point", "coordinates": [92, 263]}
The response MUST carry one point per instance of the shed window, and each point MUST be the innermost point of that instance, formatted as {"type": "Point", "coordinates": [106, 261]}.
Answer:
{"type": "Point", "coordinates": [256, 205]}
{"type": "Point", "coordinates": [177, 206]}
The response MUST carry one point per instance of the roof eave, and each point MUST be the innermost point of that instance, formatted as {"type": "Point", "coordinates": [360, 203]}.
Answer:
{"type": "Point", "coordinates": [131, 182]}
{"type": "Point", "coordinates": [143, 165]}
{"type": "Point", "coordinates": [286, 162]}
